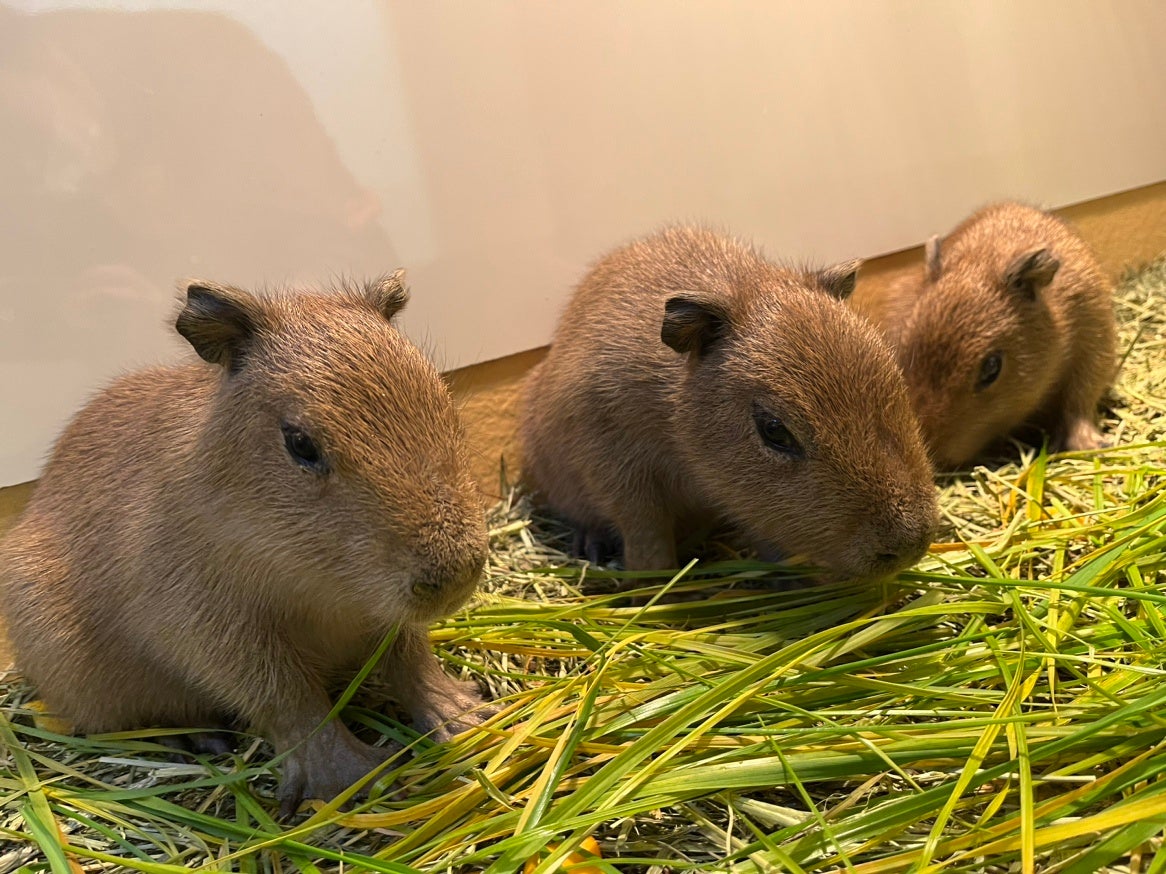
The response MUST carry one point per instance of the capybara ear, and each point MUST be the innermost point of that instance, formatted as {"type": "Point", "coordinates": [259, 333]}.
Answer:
{"type": "Point", "coordinates": [1031, 272]}
{"type": "Point", "coordinates": [840, 279]}
{"type": "Point", "coordinates": [931, 257]}
{"type": "Point", "coordinates": [219, 322]}
{"type": "Point", "coordinates": [693, 321]}
{"type": "Point", "coordinates": [388, 294]}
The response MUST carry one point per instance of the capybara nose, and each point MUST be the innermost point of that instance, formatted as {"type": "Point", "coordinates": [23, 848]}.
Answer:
{"type": "Point", "coordinates": [460, 574]}
{"type": "Point", "coordinates": [886, 563]}
{"type": "Point", "coordinates": [903, 552]}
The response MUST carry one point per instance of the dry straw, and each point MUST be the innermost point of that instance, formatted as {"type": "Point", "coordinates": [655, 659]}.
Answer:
{"type": "Point", "coordinates": [1001, 707]}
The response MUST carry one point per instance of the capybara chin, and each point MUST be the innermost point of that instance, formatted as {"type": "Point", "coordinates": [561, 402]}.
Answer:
{"type": "Point", "coordinates": [1010, 323]}
{"type": "Point", "coordinates": [225, 541]}
{"type": "Point", "coordinates": [691, 382]}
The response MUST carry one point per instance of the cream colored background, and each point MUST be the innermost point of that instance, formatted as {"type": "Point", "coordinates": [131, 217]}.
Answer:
{"type": "Point", "coordinates": [494, 148]}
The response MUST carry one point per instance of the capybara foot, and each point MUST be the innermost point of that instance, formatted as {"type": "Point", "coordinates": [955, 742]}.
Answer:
{"type": "Point", "coordinates": [453, 708]}
{"type": "Point", "coordinates": [600, 546]}
{"type": "Point", "coordinates": [200, 743]}
{"type": "Point", "coordinates": [325, 765]}
{"type": "Point", "coordinates": [1081, 435]}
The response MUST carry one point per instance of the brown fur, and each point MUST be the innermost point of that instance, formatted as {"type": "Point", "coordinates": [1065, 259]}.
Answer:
{"type": "Point", "coordinates": [621, 432]}
{"type": "Point", "coordinates": [1011, 281]}
{"type": "Point", "coordinates": [176, 567]}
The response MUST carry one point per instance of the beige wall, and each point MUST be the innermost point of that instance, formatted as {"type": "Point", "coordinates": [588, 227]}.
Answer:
{"type": "Point", "coordinates": [495, 148]}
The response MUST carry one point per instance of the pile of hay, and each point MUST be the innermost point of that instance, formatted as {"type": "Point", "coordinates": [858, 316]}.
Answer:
{"type": "Point", "coordinates": [998, 708]}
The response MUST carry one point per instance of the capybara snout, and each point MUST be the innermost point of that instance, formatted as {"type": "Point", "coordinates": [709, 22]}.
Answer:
{"type": "Point", "coordinates": [448, 566]}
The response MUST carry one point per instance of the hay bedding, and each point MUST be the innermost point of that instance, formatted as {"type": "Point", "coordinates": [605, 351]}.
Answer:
{"type": "Point", "coordinates": [998, 708]}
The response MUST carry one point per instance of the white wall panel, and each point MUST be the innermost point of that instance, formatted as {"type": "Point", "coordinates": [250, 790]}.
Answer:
{"type": "Point", "coordinates": [494, 148]}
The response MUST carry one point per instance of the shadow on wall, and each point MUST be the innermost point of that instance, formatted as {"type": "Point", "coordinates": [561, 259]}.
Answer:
{"type": "Point", "coordinates": [106, 207]}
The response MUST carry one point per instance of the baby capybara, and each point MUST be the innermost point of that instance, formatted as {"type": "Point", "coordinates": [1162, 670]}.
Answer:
{"type": "Point", "coordinates": [1010, 323]}
{"type": "Point", "coordinates": [693, 382]}
{"type": "Point", "coordinates": [225, 541]}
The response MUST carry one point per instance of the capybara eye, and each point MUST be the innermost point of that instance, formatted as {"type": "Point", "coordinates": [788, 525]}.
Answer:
{"type": "Point", "coordinates": [303, 449]}
{"type": "Point", "coordinates": [775, 434]}
{"type": "Point", "coordinates": [989, 370]}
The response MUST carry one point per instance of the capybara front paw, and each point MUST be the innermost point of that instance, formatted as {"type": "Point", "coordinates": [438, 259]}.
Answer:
{"type": "Point", "coordinates": [199, 743]}
{"type": "Point", "coordinates": [1082, 435]}
{"type": "Point", "coordinates": [598, 545]}
{"type": "Point", "coordinates": [456, 707]}
{"type": "Point", "coordinates": [323, 768]}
